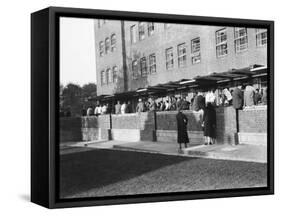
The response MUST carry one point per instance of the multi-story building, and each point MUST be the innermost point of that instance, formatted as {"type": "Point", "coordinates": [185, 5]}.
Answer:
{"type": "Point", "coordinates": [148, 54]}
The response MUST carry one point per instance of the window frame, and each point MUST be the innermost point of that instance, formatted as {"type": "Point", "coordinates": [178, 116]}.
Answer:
{"type": "Point", "coordinates": [107, 45]}
{"type": "Point", "coordinates": [182, 55]}
{"type": "Point", "coordinates": [113, 45]}
{"type": "Point", "coordinates": [169, 53]}
{"type": "Point", "coordinates": [259, 39]}
{"type": "Point", "coordinates": [103, 77]}
{"type": "Point", "coordinates": [101, 48]}
{"type": "Point", "coordinates": [221, 43]}
{"type": "Point", "coordinates": [109, 75]}
{"type": "Point", "coordinates": [114, 74]}
{"type": "Point", "coordinates": [152, 63]}
{"type": "Point", "coordinates": [141, 31]}
{"type": "Point", "coordinates": [239, 38]}
{"type": "Point", "coordinates": [143, 66]}
{"type": "Point", "coordinates": [135, 68]}
{"type": "Point", "coordinates": [195, 52]}
{"type": "Point", "coordinates": [133, 34]}
{"type": "Point", "coordinates": [150, 28]}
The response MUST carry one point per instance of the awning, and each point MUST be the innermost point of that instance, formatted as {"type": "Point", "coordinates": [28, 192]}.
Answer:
{"type": "Point", "coordinates": [214, 79]}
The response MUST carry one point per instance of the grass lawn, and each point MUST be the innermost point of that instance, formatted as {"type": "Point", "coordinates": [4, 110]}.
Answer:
{"type": "Point", "coordinates": [101, 172]}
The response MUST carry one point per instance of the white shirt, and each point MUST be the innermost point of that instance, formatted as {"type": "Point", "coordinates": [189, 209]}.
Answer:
{"type": "Point", "coordinates": [123, 108]}
{"type": "Point", "coordinates": [210, 97]}
{"type": "Point", "coordinates": [227, 94]}
{"type": "Point", "coordinates": [104, 109]}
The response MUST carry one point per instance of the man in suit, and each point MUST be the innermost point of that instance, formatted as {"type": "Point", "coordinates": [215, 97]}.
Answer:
{"type": "Point", "coordinates": [237, 103]}
{"type": "Point", "coordinates": [237, 98]}
{"type": "Point", "coordinates": [118, 108]}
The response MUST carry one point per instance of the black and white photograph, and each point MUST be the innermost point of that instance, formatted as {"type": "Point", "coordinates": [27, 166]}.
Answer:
{"type": "Point", "coordinates": [149, 107]}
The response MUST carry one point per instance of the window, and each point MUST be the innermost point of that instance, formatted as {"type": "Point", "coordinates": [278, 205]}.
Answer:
{"type": "Point", "coordinates": [113, 42]}
{"type": "Point", "coordinates": [103, 78]}
{"type": "Point", "coordinates": [133, 34]}
{"type": "Point", "coordinates": [141, 31]}
{"type": "Point", "coordinates": [240, 39]}
{"type": "Point", "coordinates": [182, 55]}
{"type": "Point", "coordinates": [152, 63]}
{"type": "Point", "coordinates": [195, 51]}
{"type": "Point", "coordinates": [107, 45]}
{"type": "Point", "coordinates": [109, 75]}
{"type": "Point", "coordinates": [221, 43]}
{"type": "Point", "coordinates": [169, 58]}
{"type": "Point", "coordinates": [101, 48]}
{"type": "Point", "coordinates": [135, 68]}
{"type": "Point", "coordinates": [143, 67]}
{"type": "Point", "coordinates": [150, 28]}
{"type": "Point", "coordinates": [261, 37]}
{"type": "Point", "coordinates": [115, 74]}
{"type": "Point", "coordinates": [167, 25]}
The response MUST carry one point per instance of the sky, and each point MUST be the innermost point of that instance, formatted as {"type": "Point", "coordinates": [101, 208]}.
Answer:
{"type": "Point", "coordinates": [77, 51]}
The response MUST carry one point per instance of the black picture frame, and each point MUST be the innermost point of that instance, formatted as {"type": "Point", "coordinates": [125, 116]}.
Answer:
{"type": "Point", "coordinates": [45, 98]}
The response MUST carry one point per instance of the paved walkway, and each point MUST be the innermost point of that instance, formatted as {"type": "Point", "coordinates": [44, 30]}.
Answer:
{"type": "Point", "coordinates": [251, 153]}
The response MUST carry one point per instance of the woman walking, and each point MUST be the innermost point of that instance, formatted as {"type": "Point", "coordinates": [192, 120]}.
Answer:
{"type": "Point", "coordinates": [209, 124]}
{"type": "Point", "coordinates": [182, 129]}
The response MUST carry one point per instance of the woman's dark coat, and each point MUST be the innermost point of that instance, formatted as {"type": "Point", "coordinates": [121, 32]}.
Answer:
{"type": "Point", "coordinates": [209, 119]}
{"type": "Point", "coordinates": [182, 129]}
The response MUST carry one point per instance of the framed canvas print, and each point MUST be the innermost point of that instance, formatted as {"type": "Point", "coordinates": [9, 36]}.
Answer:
{"type": "Point", "coordinates": [139, 107]}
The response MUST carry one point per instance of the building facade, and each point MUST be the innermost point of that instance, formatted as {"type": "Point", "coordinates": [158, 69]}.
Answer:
{"type": "Point", "coordinates": [148, 54]}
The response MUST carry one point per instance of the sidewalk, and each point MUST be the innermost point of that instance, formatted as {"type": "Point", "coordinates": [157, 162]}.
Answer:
{"type": "Point", "coordinates": [250, 153]}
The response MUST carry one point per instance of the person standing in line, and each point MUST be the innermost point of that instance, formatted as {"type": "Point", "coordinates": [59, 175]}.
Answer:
{"type": "Point", "coordinates": [123, 107]}
{"type": "Point", "coordinates": [200, 102]}
{"type": "Point", "coordinates": [184, 104]}
{"type": "Point", "coordinates": [118, 108]}
{"type": "Point", "coordinates": [182, 129]}
{"type": "Point", "coordinates": [210, 97]}
{"type": "Point", "coordinates": [179, 103]}
{"type": "Point", "coordinates": [237, 103]}
{"type": "Point", "coordinates": [140, 106]}
{"type": "Point", "coordinates": [209, 124]}
{"type": "Point", "coordinates": [195, 106]}
{"type": "Point", "coordinates": [249, 95]}
{"type": "Point", "coordinates": [228, 96]}
{"type": "Point", "coordinates": [90, 111]}
{"type": "Point", "coordinates": [264, 97]}
{"type": "Point", "coordinates": [152, 105]}
{"type": "Point", "coordinates": [167, 105]}
{"type": "Point", "coordinates": [257, 97]}
{"type": "Point", "coordinates": [129, 107]}
{"type": "Point", "coordinates": [104, 109]}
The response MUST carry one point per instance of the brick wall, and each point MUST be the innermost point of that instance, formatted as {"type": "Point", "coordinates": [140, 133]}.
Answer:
{"type": "Point", "coordinates": [167, 120]}
{"type": "Point", "coordinates": [226, 125]}
{"type": "Point", "coordinates": [253, 120]}
{"type": "Point", "coordinates": [133, 121]}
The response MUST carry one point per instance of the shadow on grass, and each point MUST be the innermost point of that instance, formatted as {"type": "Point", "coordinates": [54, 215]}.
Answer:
{"type": "Point", "coordinates": [82, 171]}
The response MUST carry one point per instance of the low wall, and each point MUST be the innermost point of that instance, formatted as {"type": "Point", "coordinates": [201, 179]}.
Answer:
{"type": "Point", "coordinates": [133, 126]}
{"type": "Point", "coordinates": [84, 128]}
{"type": "Point", "coordinates": [167, 126]}
{"type": "Point", "coordinates": [162, 126]}
{"type": "Point", "coordinates": [253, 125]}
{"type": "Point", "coordinates": [226, 131]}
